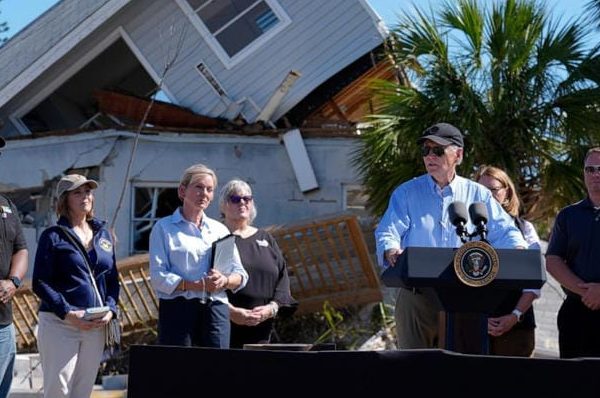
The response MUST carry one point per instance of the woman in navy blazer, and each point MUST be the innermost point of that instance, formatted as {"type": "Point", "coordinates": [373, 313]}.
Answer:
{"type": "Point", "coordinates": [70, 346]}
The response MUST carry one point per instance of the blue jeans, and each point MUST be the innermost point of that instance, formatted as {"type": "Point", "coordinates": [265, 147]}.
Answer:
{"type": "Point", "coordinates": [188, 322]}
{"type": "Point", "coordinates": [8, 351]}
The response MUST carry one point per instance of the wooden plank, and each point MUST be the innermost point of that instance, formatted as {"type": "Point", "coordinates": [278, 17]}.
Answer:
{"type": "Point", "coordinates": [293, 271]}
{"type": "Point", "coordinates": [23, 333]}
{"type": "Point", "coordinates": [125, 288]}
{"type": "Point", "coordinates": [149, 288]}
{"type": "Point", "coordinates": [321, 246]}
{"type": "Point", "coordinates": [303, 261]}
{"type": "Point", "coordinates": [140, 294]}
{"type": "Point", "coordinates": [360, 245]}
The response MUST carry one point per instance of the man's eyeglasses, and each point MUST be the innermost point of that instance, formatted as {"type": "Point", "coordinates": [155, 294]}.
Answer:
{"type": "Point", "coordinates": [237, 199]}
{"type": "Point", "coordinates": [592, 169]}
{"type": "Point", "coordinates": [438, 151]}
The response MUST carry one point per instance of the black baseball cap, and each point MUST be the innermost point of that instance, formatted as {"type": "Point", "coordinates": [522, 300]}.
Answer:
{"type": "Point", "coordinates": [443, 134]}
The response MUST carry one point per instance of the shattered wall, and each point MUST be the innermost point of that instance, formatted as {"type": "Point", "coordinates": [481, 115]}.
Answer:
{"type": "Point", "coordinates": [160, 160]}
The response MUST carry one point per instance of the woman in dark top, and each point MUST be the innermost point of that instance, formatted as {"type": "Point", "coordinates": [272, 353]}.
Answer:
{"type": "Point", "coordinates": [252, 310]}
{"type": "Point", "coordinates": [512, 326]}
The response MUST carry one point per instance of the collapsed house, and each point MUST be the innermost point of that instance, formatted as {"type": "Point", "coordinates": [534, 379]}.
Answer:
{"type": "Point", "coordinates": [132, 92]}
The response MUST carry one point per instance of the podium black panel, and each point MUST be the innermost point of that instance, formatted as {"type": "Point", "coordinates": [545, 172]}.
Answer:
{"type": "Point", "coordinates": [433, 267]}
{"type": "Point", "coordinates": [160, 371]}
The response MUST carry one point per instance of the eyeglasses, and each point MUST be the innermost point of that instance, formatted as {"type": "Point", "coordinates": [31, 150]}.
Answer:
{"type": "Point", "coordinates": [237, 199]}
{"type": "Point", "coordinates": [438, 151]}
{"type": "Point", "coordinates": [592, 169]}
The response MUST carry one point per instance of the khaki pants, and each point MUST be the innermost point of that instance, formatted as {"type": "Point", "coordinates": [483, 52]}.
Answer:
{"type": "Point", "coordinates": [417, 319]}
{"type": "Point", "coordinates": [70, 357]}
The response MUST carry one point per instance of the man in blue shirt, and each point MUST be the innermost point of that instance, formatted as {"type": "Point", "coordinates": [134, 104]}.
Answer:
{"type": "Point", "coordinates": [417, 215]}
{"type": "Point", "coordinates": [573, 258]}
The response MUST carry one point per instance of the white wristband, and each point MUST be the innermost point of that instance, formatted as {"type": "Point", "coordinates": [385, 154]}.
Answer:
{"type": "Point", "coordinates": [516, 312]}
{"type": "Point", "coordinates": [274, 309]}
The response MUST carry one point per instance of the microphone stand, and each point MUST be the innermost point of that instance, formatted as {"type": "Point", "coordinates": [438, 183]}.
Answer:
{"type": "Point", "coordinates": [481, 231]}
{"type": "Point", "coordinates": [461, 231]}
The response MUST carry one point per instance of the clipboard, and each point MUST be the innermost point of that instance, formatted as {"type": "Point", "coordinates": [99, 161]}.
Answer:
{"type": "Point", "coordinates": [222, 253]}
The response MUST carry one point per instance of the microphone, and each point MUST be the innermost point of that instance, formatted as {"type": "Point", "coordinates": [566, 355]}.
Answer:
{"type": "Point", "coordinates": [479, 218]}
{"type": "Point", "coordinates": [458, 217]}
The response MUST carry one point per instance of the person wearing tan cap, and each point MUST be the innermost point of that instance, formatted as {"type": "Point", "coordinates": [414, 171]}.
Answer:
{"type": "Point", "coordinates": [13, 266]}
{"type": "Point", "coordinates": [74, 271]}
{"type": "Point", "coordinates": [418, 215]}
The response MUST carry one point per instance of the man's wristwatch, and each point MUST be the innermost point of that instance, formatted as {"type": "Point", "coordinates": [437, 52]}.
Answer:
{"type": "Point", "coordinates": [15, 280]}
{"type": "Point", "coordinates": [518, 314]}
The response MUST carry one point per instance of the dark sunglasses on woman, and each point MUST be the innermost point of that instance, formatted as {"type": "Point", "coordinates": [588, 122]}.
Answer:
{"type": "Point", "coordinates": [237, 199]}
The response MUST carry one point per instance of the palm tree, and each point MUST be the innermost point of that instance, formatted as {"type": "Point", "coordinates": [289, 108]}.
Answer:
{"type": "Point", "coordinates": [522, 87]}
{"type": "Point", "coordinates": [593, 7]}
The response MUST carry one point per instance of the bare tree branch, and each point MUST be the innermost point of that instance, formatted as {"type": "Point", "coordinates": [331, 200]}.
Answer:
{"type": "Point", "coordinates": [170, 60]}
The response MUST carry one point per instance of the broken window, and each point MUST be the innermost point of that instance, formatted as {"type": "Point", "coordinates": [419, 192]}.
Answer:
{"type": "Point", "coordinates": [36, 205]}
{"type": "Point", "coordinates": [355, 199]}
{"type": "Point", "coordinates": [235, 24]}
{"type": "Point", "coordinates": [27, 201]}
{"type": "Point", "coordinates": [151, 203]}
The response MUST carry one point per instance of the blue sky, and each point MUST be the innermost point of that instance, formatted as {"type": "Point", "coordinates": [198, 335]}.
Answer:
{"type": "Point", "coordinates": [19, 13]}
{"type": "Point", "coordinates": [388, 9]}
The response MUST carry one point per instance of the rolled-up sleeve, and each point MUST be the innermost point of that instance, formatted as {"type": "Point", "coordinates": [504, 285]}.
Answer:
{"type": "Point", "coordinates": [391, 227]}
{"type": "Point", "coordinates": [163, 280]}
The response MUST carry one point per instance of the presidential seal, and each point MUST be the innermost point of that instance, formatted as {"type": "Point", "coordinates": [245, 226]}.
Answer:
{"type": "Point", "coordinates": [476, 263]}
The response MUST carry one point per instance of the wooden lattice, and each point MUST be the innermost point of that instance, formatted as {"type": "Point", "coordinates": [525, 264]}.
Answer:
{"type": "Point", "coordinates": [328, 261]}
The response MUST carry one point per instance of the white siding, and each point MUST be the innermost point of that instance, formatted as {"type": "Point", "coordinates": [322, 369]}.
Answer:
{"type": "Point", "coordinates": [323, 38]}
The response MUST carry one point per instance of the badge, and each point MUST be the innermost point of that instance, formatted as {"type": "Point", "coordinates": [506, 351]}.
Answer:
{"type": "Point", "coordinates": [476, 263]}
{"type": "Point", "coordinates": [262, 243]}
{"type": "Point", "coordinates": [105, 244]}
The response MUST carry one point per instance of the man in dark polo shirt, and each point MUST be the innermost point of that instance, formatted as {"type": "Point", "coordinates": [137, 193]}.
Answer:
{"type": "Point", "coordinates": [573, 258]}
{"type": "Point", "coordinates": [13, 266]}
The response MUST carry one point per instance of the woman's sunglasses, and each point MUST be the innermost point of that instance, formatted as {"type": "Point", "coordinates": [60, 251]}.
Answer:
{"type": "Point", "coordinates": [438, 151]}
{"type": "Point", "coordinates": [237, 199]}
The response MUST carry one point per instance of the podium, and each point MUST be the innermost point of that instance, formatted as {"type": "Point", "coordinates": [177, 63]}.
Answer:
{"type": "Point", "coordinates": [433, 268]}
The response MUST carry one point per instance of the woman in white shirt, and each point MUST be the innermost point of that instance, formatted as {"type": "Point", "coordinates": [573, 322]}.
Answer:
{"type": "Point", "coordinates": [193, 307]}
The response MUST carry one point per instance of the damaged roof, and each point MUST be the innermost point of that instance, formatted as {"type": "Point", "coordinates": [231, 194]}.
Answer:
{"type": "Point", "coordinates": [60, 74]}
{"type": "Point", "coordinates": [32, 45]}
